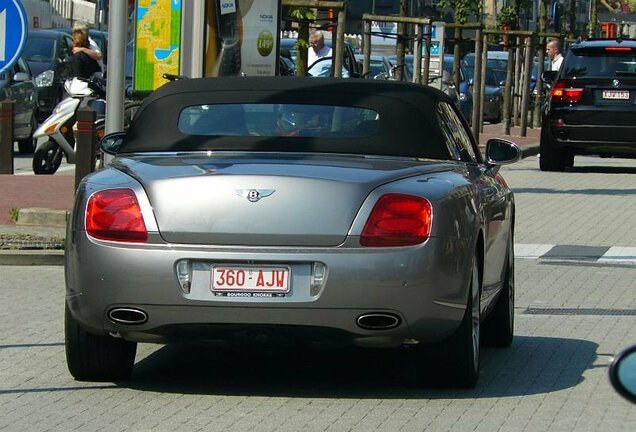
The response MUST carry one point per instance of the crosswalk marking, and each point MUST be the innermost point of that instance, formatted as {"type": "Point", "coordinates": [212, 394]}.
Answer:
{"type": "Point", "coordinates": [599, 254]}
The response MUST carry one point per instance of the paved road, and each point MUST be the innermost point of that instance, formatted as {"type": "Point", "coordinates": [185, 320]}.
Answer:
{"type": "Point", "coordinates": [23, 164]}
{"type": "Point", "coordinates": [572, 316]}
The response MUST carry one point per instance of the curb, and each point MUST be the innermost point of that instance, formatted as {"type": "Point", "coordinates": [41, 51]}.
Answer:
{"type": "Point", "coordinates": [528, 151]}
{"type": "Point", "coordinates": [32, 257]}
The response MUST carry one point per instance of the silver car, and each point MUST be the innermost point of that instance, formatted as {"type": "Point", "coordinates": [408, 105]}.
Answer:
{"type": "Point", "coordinates": [332, 211]}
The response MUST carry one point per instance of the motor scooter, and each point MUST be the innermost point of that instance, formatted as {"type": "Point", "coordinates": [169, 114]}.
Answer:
{"type": "Point", "coordinates": [58, 127]}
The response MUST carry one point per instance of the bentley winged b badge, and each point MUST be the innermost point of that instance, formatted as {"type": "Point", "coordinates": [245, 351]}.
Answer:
{"type": "Point", "coordinates": [254, 195]}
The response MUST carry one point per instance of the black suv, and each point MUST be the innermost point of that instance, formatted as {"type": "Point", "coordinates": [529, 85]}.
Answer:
{"type": "Point", "coordinates": [591, 107]}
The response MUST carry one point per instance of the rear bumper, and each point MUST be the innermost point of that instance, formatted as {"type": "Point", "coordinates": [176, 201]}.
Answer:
{"type": "Point", "coordinates": [595, 139]}
{"type": "Point", "coordinates": [420, 285]}
{"type": "Point", "coordinates": [593, 130]}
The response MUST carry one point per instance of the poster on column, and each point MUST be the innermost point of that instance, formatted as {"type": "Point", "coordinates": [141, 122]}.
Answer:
{"type": "Point", "coordinates": [157, 42]}
{"type": "Point", "coordinates": [241, 37]}
{"type": "Point", "coordinates": [616, 8]}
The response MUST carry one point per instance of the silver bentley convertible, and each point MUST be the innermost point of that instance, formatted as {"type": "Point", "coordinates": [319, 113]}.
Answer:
{"type": "Point", "coordinates": [333, 211]}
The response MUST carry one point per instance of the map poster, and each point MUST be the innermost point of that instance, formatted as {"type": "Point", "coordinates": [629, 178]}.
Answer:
{"type": "Point", "coordinates": [157, 42]}
{"type": "Point", "coordinates": [241, 37]}
{"type": "Point", "coordinates": [616, 7]}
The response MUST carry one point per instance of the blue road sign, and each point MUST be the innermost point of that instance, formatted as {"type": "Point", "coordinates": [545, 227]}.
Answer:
{"type": "Point", "coordinates": [13, 32]}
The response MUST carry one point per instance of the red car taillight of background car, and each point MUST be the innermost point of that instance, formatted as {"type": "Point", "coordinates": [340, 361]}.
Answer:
{"type": "Point", "coordinates": [115, 215]}
{"type": "Point", "coordinates": [398, 220]}
{"type": "Point", "coordinates": [568, 95]}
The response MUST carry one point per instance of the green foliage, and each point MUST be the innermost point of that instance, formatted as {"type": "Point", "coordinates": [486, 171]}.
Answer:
{"type": "Point", "coordinates": [302, 14]}
{"type": "Point", "coordinates": [508, 16]}
{"type": "Point", "coordinates": [13, 214]}
{"type": "Point", "coordinates": [463, 9]}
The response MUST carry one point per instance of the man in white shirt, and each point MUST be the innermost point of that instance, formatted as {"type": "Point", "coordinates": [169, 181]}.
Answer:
{"type": "Point", "coordinates": [317, 47]}
{"type": "Point", "coordinates": [553, 49]}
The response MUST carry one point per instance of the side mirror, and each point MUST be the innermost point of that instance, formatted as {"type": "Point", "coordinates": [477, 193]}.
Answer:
{"type": "Point", "coordinates": [622, 373]}
{"type": "Point", "coordinates": [501, 152]}
{"type": "Point", "coordinates": [111, 143]}
{"type": "Point", "coordinates": [21, 77]}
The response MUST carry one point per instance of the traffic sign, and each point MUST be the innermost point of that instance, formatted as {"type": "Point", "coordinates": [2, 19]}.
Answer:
{"type": "Point", "coordinates": [13, 32]}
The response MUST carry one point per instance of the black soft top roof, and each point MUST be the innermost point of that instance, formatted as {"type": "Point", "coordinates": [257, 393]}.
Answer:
{"type": "Point", "coordinates": [407, 125]}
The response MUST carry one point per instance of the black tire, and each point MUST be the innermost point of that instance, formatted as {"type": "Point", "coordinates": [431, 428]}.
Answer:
{"type": "Point", "coordinates": [498, 328]}
{"type": "Point", "coordinates": [26, 146]}
{"type": "Point", "coordinates": [454, 363]}
{"type": "Point", "coordinates": [550, 157]}
{"type": "Point", "coordinates": [91, 357]}
{"type": "Point", "coordinates": [47, 159]}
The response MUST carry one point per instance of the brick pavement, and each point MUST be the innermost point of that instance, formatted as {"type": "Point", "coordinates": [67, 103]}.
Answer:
{"type": "Point", "coordinates": [553, 378]}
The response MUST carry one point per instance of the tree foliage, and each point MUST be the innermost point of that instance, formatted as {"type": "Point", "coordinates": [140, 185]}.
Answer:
{"type": "Point", "coordinates": [462, 9]}
{"type": "Point", "coordinates": [302, 15]}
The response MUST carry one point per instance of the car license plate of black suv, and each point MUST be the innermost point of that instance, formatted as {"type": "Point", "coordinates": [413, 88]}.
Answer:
{"type": "Point", "coordinates": [616, 94]}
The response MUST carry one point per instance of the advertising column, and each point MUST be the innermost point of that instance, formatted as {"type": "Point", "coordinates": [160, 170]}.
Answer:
{"type": "Point", "coordinates": [241, 37]}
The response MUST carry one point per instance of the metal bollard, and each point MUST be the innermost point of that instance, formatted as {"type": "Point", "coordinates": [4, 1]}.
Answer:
{"type": "Point", "coordinates": [85, 145]}
{"type": "Point", "coordinates": [6, 137]}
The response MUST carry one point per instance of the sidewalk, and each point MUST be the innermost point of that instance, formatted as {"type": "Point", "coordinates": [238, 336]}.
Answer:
{"type": "Point", "coordinates": [41, 204]}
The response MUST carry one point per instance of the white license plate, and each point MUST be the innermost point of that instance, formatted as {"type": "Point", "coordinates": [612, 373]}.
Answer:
{"type": "Point", "coordinates": [616, 94]}
{"type": "Point", "coordinates": [251, 278]}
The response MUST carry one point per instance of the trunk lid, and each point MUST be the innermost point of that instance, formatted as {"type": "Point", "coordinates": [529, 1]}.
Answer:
{"type": "Point", "coordinates": [261, 201]}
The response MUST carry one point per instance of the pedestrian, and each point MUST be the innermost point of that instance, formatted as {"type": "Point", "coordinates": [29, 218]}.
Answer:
{"type": "Point", "coordinates": [553, 49]}
{"type": "Point", "coordinates": [317, 47]}
{"type": "Point", "coordinates": [86, 54]}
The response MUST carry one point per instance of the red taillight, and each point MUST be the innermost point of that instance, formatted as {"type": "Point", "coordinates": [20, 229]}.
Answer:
{"type": "Point", "coordinates": [114, 214]}
{"type": "Point", "coordinates": [567, 95]}
{"type": "Point", "coordinates": [398, 220]}
{"type": "Point", "coordinates": [618, 48]}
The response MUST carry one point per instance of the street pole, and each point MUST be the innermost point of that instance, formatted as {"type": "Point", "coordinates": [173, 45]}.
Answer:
{"type": "Point", "coordinates": [117, 17]}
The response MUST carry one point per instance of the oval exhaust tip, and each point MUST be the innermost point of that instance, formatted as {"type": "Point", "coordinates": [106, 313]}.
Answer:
{"type": "Point", "coordinates": [378, 321]}
{"type": "Point", "coordinates": [128, 316]}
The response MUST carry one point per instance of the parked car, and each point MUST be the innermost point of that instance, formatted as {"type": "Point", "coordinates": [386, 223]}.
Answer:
{"type": "Point", "coordinates": [45, 51]}
{"type": "Point", "coordinates": [462, 96]}
{"type": "Point", "coordinates": [497, 60]}
{"type": "Point", "coordinates": [324, 67]}
{"type": "Point", "coordinates": [592, 105]}
{"type": "Point", "coordinates": [379, 66]}
{"type": "Point", "coordinates": [493, 94]}
{"type": "Point", "coordinates": [16, 84]}
{"type": "Point", "coordinates": [331, 210]}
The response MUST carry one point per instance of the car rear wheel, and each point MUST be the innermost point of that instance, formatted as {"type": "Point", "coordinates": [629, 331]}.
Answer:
{"type": "Point", "coordinates": [91, 357]}
{"type": "Point", "coordinates": [47, 159]}
{"type": "Point", "coordinates": [498, 328]}
{"type": "Point", "coordinates": [455, 362]}
{"type": "Point", "coordinates": [550, 157]}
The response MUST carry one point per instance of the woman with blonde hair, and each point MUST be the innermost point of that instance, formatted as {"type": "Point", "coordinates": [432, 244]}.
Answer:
{"type": "Point", "coordinates": [86, 56]}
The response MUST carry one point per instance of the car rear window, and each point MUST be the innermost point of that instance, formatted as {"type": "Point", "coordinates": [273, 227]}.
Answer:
{"type": "Point", "coordinates": [278, 120]}
{"type": "Point", "coordinates": [600, 62]}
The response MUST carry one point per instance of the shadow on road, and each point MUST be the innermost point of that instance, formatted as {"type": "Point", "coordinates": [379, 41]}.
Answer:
{"type": "Point", "coordinates": [532, 365]}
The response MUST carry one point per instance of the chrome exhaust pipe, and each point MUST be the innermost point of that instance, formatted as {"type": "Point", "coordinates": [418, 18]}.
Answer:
{"type": "Point", "coordinates": [378, 321]}
{"type": "Point", "coordinates": [128, 316]}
